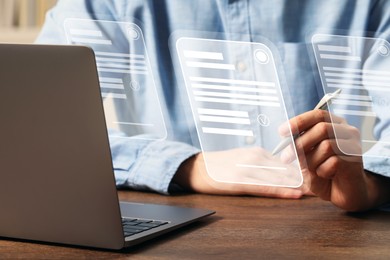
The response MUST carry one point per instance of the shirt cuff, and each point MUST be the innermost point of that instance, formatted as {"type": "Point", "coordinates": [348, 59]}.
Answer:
{"type": "Point", "coordinates": [155, 166]}
{"type": "Point", "coordinates": [377, 164]}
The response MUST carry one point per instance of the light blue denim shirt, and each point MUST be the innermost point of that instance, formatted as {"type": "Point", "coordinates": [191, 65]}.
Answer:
{"type": "Point", "coordinates": [148, 164]}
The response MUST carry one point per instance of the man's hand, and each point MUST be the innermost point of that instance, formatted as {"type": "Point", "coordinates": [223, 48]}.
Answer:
{"type": "Point", "coordinates": [334, 176]}
{"type": "Point", "coordinates": [193, 174]}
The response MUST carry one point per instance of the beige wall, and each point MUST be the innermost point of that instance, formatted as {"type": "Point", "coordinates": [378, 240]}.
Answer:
{"type": "Point", "coordinates": [15, 35]}
{"type": "Point", "coordinates": [21, 20]}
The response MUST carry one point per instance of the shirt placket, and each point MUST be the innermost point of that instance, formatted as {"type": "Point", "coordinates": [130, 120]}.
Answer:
{"type": "Point", "coordinates": [238, 29]}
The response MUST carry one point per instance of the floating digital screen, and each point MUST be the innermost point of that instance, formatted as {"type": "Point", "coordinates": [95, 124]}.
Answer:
{"type": "Point", "coordinates": [359, 67]}
{"type": "Point", "coordinates": [237, 104]}
{"type": "Point", "coordinates": [124, 72]}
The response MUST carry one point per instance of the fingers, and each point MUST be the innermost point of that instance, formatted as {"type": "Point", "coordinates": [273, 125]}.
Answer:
{"type": "Point", "coordinates": [329, 151]}
{"type": "Point", "coordinates": [326, 138]}
{"type": "Point", "coordinates": [307, 120]}
{"type": "Point", "coordinates": [268, 191]}
{"type": "Point", "coordinates": [322, 132]}
{"type": "Point", "coordinates": [210, 186]}
{"type": "Point", "coordinates": [323, 144]}
{"type": "Point", "coordinates": [277, 192]}
{"type": "Point", "coordinates": [329, 148]}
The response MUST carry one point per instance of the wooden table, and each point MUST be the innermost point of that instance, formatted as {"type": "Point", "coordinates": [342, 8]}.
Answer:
{"type": "Point", "coordinates": [243, 228]}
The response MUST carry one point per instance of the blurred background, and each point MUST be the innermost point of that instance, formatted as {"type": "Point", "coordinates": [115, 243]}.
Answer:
{"type": "Point", "coordinates": [21, 20]}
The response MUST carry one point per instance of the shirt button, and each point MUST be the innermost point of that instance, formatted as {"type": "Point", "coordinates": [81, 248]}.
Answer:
{"type": "Point", "coordinates": [250, 140]}
{"type": "Point", "coordinates": [241, 66]}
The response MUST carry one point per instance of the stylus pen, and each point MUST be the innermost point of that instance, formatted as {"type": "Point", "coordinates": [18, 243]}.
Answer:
{"type": "Point", "coordinates": [323, 104]}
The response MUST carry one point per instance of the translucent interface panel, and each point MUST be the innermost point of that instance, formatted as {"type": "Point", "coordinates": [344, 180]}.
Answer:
{"type": "Point", "coordinates": [359, 66]}
{"type": "Point", "coordinates": [237, 104]}
{"type": "Point", "coordinates": [131, 102]}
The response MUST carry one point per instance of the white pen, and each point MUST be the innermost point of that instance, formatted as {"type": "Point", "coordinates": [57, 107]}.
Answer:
{"type": "Point", "coordinates": [323, 104]}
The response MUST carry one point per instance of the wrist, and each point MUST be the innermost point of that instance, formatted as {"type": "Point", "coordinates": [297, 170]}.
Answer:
{"type": "Point", "coordinates": [378, 188]}
{"type": "Point", "coordinates": [185, 172]}
{"type": "Point", "coordinates": [192, 176]}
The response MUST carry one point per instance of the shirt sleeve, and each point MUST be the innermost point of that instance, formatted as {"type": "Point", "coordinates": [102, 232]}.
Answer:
{"type": "Point", "coordinates": [145, 164]}
{"type": "Point", "coordinates": [138, 164]}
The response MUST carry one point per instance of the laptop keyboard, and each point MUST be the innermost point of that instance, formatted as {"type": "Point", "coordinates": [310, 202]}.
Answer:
{"type": "Point", "coordinates": [132, 226]}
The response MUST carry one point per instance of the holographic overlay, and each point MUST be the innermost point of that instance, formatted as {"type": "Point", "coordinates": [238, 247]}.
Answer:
{"type": "Point", "coordinates": [130, 98]}
{"type": "Point", "coordinates": [359, 66]}
{"type": "Point", "coordinates": [238, 106]}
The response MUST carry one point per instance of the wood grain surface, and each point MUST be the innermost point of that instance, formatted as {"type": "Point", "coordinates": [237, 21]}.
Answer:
{"type": "Point", "coordinates": [242, 228]}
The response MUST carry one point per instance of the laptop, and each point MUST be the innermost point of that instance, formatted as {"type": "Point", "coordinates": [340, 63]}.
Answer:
{"type": "Point", "coordinates": [57, 182]}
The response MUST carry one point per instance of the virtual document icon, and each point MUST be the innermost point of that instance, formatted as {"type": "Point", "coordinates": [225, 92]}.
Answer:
{"type": "Point", "coordinates": [124, 73]}
{"type": "Point", "coordinates": [359, 67]}
{"type": "Point", "coordinates": [237, 103]}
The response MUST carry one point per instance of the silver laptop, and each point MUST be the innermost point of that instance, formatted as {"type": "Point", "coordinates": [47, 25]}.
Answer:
{"type": "Point", "coordinates": [56, 177]}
